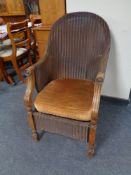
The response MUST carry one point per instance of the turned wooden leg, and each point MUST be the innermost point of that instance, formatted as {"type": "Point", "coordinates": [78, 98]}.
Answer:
{"type": "Point", "coordinates": [32, 126]}
{"type": "Point", "coordinates": [91, 144]}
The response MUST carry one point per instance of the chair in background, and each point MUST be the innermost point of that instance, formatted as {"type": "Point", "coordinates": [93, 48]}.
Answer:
{"type": "Point", "coordinates": [2, 22]}
{"type": "Point", "coordinates": [19, 36]}
{"type": "Point", "coordinates": [4, 75]}
{"type": "Point", "coordinates": [36, 22]}
{"type": "Point", "coordinates": [69, 78]}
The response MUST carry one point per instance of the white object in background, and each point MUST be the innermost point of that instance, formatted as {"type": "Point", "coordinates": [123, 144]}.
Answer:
{"type": "Point", "coordinates": [3, 29]}
{"type": "Point", "coordinates": [117, 13]}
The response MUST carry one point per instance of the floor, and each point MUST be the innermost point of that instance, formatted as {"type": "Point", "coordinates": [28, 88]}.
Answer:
{"type": "Point", "coordinates": [57, 155]}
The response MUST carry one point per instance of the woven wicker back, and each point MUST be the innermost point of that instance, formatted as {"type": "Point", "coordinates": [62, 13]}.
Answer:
{"type": "Point", "coordinates": [76, 45]}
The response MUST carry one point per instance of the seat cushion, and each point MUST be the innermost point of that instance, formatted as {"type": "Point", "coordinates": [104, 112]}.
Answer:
{"type": "Point", "coordinates": [69, 98]}
{"type": "Point", "coordinates": [7, 42]}
{"type": "Point", "coordinates": [8, 52]}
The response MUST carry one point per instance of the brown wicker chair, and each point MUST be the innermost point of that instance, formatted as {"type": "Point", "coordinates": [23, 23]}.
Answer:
{"type": "Point", "coordinates": [69, 78]}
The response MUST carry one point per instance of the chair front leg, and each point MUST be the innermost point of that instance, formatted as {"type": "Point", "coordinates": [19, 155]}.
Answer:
{"type": "Point", "coordinates": [92, 137]}
{"type": "Point", "coordinates": [31, 123]}
{"type": "Point", "coordinates": [94, 117]}
{"type": "Point", "coordinates": [28, 104]}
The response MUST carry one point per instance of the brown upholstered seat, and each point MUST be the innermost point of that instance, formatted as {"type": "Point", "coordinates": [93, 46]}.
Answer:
{"type": "Point", "coordinates": [69, 98]}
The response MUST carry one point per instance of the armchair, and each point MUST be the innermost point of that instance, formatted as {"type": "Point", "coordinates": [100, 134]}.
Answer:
{"type": "Point", "coordinates": [69, 78]}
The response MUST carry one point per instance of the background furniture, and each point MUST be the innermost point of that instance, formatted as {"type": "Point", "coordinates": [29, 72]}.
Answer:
{"type": "Point", "coordinates": [12, 10]}
{"type": "Point", "coordinates": [2, 36]}
{"type": "Point", "coordinates": [4, 75]}
{"type": "Point", "coordinates": [50, 11]}
{"type": "Point", "coordinates": [19, 38]}
{"type": "Point", "coordinates": [35, 20]}
{"type": "Point", "coordinates": [4, 41]}
{"type": "Point", "coordinates": [69, 78]}
{"type": "Point", "coordinates": [11, 7]}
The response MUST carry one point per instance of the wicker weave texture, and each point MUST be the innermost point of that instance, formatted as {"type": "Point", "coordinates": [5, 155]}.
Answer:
{"type": "Point", "coordinates": [78, 48]}
{"type": "Point", "coordinates": [66, 127]}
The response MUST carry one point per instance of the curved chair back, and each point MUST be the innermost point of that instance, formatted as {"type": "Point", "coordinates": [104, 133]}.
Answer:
{"type": "Point", "coordinates": [78, 47]}
{"type": "Point", "coordinates": [77, 43]}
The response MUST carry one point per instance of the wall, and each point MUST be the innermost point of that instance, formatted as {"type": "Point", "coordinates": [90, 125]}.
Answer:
{"type": "Point", "coordinates": [117, 13]}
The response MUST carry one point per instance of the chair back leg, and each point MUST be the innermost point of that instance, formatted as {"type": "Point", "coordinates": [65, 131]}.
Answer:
{"type": "Point", "coordinates": [16, 67]}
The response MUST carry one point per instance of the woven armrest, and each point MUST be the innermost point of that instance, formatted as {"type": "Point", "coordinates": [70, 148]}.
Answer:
{"type": "Point", "coordinates": [31, 81]}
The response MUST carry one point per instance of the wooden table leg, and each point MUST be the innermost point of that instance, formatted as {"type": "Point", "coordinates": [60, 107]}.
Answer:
{"type": "Point", "coordinates": [5, 75]}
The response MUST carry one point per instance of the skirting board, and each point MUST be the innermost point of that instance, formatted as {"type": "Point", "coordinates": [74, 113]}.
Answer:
{"type": "Point", "coordinates": [119, 101]}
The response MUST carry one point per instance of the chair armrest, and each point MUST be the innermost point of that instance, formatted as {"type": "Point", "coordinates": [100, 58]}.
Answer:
{"type": "Point", "coordinates": [98, 86]}
{"type": "Point", "coordinates": [32, 68]}
{"type": "Point", "coordinates": [29, 90]}
{"type": "Point", "coordinates": [102, 66]}
{"type": "Point", "coordinates": [30, 82]}
{"type": "Point", "coordinates": [100, 77]}
{"type": "Point", "coordinates": [96, 101]}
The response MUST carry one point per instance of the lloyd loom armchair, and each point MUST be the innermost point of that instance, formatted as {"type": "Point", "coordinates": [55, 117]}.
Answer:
{"type": "Point", "coordinates": [69, 78]}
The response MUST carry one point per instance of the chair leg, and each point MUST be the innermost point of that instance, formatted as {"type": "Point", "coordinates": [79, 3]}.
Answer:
{"type": "Point", "coordinates": [31, 123]}
{"type": "Point", "coordinates": [91, 144]}
{"type": "Point", "coordinates": [5, 75]}
{"type": "Point", "coordinates": [15, 65]}
{"type": "Point", "coordinates": [30, 60]}
{"type": "Point", "coordinates": [37, 55]}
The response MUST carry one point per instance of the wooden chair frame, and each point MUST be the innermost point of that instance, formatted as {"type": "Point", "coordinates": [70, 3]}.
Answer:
{"type": "Point", "coordinates": [35, 19]}
{"type": "Point", "coordinates": [18, 28]}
